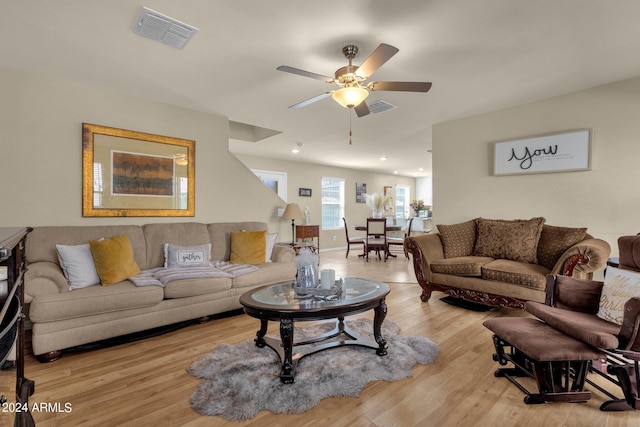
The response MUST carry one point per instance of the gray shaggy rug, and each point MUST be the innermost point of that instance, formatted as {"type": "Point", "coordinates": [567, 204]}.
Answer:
{"type": "Point", "coordinates": [241, 379]}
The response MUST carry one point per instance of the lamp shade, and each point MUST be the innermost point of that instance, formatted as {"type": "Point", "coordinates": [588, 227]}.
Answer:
{"type": "Point", "coordinates": [350, 96]}
{"type": "Point", "coordinates": [292, 211]}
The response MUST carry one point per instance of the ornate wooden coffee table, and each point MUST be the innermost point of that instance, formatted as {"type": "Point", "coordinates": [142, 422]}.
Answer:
{"type": "Point", "coordinates": [280, 303]}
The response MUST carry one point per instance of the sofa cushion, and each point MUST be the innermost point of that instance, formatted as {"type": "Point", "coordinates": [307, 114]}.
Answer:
{"type": "Point", "coordinates": [78, 266]}
{"type": "Point", "coordinates": [220, 236]}
{"type": "Point", "coordinates": [92, 301]}
{"type": "Point", "coordinates": [114, 259]}
{"type": "Point", "coordinates": [200, 286]}
{"type": "Point", "coordinates": [179, 233]}
{"type": "Point", "coordinates": [267, 273]}
{"type": "Point", "coordinates": [458, 240]}
{"type": "Point", "coordinates": [248, 247]}
{"type": "Point", "coordinates": [582, 326]}
{"type": "Point", "coordinates": [187, 256]}
{"type": "Point", "coordinates": [519, 273]}
{"type": "Point", "coordinates": [461, 266]}
{"type": "Point", "coordinates": [515, 240]}
{"type": "Point", "coordinates": [619, 286]}
{"type": "Point", "coordinates": [555, 240]}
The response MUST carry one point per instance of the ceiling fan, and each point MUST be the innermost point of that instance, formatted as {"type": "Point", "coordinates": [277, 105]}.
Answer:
{"type": "Point", "coordinates": [351, 79]}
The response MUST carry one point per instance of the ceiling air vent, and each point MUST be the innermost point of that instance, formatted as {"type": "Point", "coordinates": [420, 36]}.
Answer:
{"type": "Point", "coordinates": [380, 107]}
{"type": "Point", "coordinates": [159, 27]}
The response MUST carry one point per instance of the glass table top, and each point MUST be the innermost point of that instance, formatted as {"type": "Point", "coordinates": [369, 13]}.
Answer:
{"type": "Point", "coordinates": [354, 290]}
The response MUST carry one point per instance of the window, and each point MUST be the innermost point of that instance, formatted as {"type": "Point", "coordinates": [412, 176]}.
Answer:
{"type": "Point", "coordinates": [276, 181]}
{"type": "Point", "coordinates": [402, 201]}
{"type": "Point", "coordinates": [332, 202]}
{"type": "Point", "coordinates": [98, 185]}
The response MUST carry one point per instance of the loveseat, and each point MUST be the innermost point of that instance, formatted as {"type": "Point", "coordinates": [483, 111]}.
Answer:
{"type": "Point", "coordinates": [502, 262]}
{"type": "Point", "coordinates": [65, 309]}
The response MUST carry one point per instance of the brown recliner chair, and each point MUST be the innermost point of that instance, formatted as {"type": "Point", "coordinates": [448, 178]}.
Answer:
{"type": "Point", "coordinates": [568, 339]}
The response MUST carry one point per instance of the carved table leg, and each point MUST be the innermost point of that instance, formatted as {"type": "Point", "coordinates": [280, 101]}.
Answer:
{"type": "Point", "coordinates": [286, 335]}
{"type": "Point", "coordinates": [261, 333]}
{"type": "Point", "coordinates": [380, 313]}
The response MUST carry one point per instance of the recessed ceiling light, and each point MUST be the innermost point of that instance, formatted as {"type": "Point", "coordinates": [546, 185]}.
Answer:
{"type": "Point", "coordinates": [420, 169]}
{"type": "Point", "coordinates": [395, 172]}
{"type": "Point", "coordinates": [383, 158]}
{"type": "Point", "coordinates": [295, 150]}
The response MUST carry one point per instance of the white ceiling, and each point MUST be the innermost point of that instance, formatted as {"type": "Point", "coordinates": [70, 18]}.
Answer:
{"type": "Point", "coordinates": [481, 55]}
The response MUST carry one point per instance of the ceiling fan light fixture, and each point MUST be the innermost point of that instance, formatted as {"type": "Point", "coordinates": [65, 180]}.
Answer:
{"type": "Point", "coordinates": [350, 96]}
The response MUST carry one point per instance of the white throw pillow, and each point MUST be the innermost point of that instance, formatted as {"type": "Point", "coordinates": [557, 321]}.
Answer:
{"type": "Point", "coordinates": [78, 266]}
{"type": "Point", "coordinates": [619, 287]}
{"type": "Point", "coordinates": [271, 240]}
{"type": "Point", "coordinates": [187, 256]}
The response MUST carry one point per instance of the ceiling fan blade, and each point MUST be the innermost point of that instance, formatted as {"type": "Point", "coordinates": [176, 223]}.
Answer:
{"type": "Point", "coordinates": [362, 109]}
{"type": "Point", "coordinates": [304, 73]}
{"type": "Point", "coordinates": [400, 86]}
{"type": "Point", "coordinates": [379, 56]}
{"type": "Point", "coordinates": [310, 100]}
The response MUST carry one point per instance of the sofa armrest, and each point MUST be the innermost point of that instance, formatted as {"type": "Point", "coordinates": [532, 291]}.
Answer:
{"type": "Point", "coordinates": [425, 249]}
{"type": "Point", "coordinates": [283, 254]}
{"type": "Point", "coordinates": [630, 330]}
{"type": "Point", "coordinates": [43, 278]}
{"type": "Point", "coordinates": [583, 258]}
{"type": "Point", "coordinates": [570, 293]}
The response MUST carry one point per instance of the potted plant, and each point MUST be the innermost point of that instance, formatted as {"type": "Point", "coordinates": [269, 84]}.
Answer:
{"type": "Point", "coordinates": [376, 202]}
{"type": "Point", "coordinates": [417, 206]}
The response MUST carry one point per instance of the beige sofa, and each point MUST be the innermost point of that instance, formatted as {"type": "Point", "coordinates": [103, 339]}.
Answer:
{"type": "Point", "coordinates": [502, 262]}
{"type": "Point", "coordinates": [62, 318]}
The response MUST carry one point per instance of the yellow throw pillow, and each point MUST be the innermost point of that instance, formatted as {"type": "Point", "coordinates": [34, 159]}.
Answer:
{"type": "Point", "coordinates": [114, 259]}
{"type": "Point", "coordinates": [248, 247]}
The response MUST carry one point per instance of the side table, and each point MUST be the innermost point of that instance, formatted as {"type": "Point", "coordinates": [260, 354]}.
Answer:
{"type": "Point", "coordinates": [311, 232]}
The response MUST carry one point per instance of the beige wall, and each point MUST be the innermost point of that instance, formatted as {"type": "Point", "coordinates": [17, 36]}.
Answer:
{"type": "Point", "coordinates": [41, 154]}
{"type": "Point", "coordinates": [41, 159]}
{"type": "Point", "coordinates": [308, 175]}
{"type": "Point", "coordinates": [604, 199]}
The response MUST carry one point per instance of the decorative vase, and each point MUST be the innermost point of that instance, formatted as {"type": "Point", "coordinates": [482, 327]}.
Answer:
{"type": "Point", "coordinates": [377, 214]}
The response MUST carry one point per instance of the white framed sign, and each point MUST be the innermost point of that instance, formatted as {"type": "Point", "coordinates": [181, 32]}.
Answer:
{"type": "Point", "coordinates": [558, 152]}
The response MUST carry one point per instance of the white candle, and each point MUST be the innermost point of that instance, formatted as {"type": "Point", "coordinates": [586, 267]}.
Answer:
{"type": "Point", "coordinates": [327, 278]}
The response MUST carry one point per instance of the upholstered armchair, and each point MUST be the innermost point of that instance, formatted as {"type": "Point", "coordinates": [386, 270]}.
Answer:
{"type": "Point", "coordinates": [604, 315]}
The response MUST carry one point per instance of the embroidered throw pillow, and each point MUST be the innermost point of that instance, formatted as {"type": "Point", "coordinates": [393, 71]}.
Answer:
{"type": "Point", "coordinates": [555, 240]}
{"type": "Point", "coordinates": [187, 256]}
{"type": "Point", "coordinates": [515, 240]}
{"type": "Point", "coordinates": [458, 240]}
{"type": "Point", "coordinates": [619, 287]}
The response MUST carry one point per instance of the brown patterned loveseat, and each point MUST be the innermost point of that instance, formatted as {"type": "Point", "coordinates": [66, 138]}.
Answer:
{"type": "Point", "coordinates": [502, 262]}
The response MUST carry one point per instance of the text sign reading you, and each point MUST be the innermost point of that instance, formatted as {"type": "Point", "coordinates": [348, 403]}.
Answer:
{"type": "Point", "coordinates": [566, 151]}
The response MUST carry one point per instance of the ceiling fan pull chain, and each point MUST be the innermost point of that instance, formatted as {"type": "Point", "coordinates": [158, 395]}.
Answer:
{"type": "Point", "coordinates": [350, 109]}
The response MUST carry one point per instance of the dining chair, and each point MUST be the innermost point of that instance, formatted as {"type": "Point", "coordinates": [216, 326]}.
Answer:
{"type": "Point", "coordinates": [352, 241]}
{"type": "Point", "coordinates": [376, 237]}
{"type": "Point", "coordinates": [399, 241]}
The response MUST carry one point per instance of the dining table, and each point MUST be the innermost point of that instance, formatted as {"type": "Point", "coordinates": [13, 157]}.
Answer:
{"type": "Point", "coordinates": [387, 228]}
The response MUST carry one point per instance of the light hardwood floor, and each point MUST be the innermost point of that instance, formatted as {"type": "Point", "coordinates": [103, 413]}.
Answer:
{"type": "Point", "coordinates": [145, 384]}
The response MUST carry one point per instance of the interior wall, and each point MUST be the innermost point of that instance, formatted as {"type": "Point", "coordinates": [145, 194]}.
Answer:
{"type": "Point", "coordinates": [604, 199]}
{"type": "Point", "coordinates": [307, 175]}
{"type": "Point", "coordinates": [41, 154]}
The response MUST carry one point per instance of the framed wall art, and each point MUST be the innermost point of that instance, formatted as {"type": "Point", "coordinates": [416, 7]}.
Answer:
{"type": "Point", "coordinates": [304, 192]}
{"type": "Point", "coordinates": [361, 192]}
{"type": "Point", "coordinates": [557, 152]}
{"type": "Point", "coordinates": [129, 173]}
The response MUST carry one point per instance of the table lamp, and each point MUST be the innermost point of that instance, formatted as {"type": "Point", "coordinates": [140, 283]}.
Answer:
{"type": "Point", "coordinates": [292, 212]}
